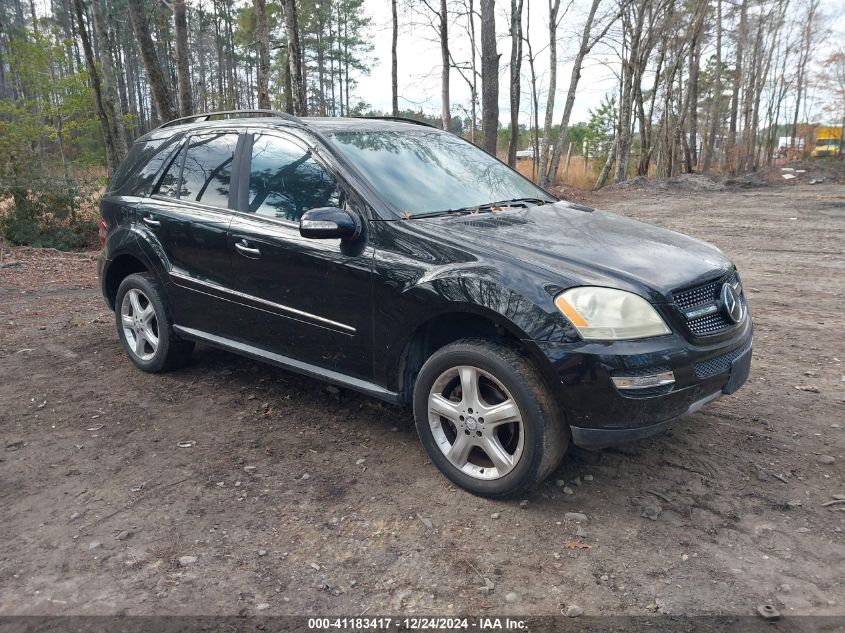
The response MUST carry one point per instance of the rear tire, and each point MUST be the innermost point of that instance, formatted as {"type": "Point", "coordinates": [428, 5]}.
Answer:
{"type": "Point", "coordinates": [145, 328]}
{"type": "Point", "coordinates": [502, 439]}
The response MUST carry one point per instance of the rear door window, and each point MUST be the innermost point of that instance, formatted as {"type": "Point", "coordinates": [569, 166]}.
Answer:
{"type": "Point", "coordinates": [207, 171]}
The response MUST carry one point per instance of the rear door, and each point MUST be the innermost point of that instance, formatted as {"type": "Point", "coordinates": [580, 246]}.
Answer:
{"type": "Point", "coordinates": [188, 215]}
{"type": "Point", "coordinates": [307, 299]}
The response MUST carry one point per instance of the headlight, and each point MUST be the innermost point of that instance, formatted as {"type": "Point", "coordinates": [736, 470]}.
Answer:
{"type": "Point", "coordinates": [608, 314]}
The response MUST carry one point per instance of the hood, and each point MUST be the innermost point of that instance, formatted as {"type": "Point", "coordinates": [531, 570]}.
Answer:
{"type": "Point", "coordinates": [587, 247]}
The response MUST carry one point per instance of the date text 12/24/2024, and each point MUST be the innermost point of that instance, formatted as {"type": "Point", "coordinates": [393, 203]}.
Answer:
{"type": "Point", "coordinates": [416, 624]}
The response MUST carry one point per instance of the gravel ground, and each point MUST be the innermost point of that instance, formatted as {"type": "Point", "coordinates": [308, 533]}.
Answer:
{"type": "Point", "coordinates": [292, 498]}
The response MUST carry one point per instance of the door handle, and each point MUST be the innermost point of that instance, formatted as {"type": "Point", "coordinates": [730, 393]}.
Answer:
{"type": "Point", "coordinates": [149, 221]}
{"type": "Point", "coordinates": [246, 250]}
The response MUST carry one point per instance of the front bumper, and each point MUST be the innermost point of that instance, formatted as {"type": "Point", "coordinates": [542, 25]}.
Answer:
{"type": "Point", "coordinates": [600, 414]}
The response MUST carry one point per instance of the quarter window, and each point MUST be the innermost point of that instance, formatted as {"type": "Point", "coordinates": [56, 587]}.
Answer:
{"type": "Point", "coordinates": [285, 181]}
{"type": "Point", "coordinates": [207, 172]}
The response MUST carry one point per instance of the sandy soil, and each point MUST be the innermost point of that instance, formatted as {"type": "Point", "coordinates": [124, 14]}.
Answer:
{"type": "Point", "coordinates": [104, 513]}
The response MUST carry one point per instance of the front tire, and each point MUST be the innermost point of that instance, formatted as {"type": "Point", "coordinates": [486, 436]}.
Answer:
{"type": "Point", "coordinates": [145, 328]}
{"type": "Point", "coordinates": [488, 419]}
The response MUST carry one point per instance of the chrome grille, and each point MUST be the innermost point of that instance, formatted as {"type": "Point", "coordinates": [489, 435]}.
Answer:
{"type": "Point", "coordinates": [702, 295]}
{"type": "Point", "coordinates": [707, 294]}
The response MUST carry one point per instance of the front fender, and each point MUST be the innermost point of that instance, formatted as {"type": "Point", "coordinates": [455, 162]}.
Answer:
{"type": "Point", "coordinates": [526, 315]}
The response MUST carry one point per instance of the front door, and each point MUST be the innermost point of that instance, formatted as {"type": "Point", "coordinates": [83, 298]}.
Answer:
{"type": "Point", "coordinates": [307, 299]}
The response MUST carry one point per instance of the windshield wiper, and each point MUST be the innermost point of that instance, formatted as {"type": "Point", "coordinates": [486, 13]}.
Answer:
{"type": "Point", "coordinates": [512, 201]}
{"type": "Point", "coordinates": [488, 206]}
{"type": "Point", "coordinates": [436, 214]}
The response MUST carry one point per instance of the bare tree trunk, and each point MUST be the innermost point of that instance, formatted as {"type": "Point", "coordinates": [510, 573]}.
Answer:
{"type": "Point", "coordinates": [108, 137]}
{"type": "Point", "coordinates": [394, 62]}
{"type": "Point", "coordinates": [183, 70]}
{"type": "Point", "coordinates": [444, 59]}
{"type": "Point", "coordinates": [715, 115]}
{"type": "Point", "coordinates": [584, 49]}
{"type": "Point", "coordinates": [543, 159]}
{"type": "Point", "coordinates": [489, 77]}
{"type": "Point", "coordinates": [110, 98]}
{"type": "Point", "coordinates": [263, 54]}
{"type": "Point", "coordinates": [155, 76]}
{"type": "Point", "coordinates": [632, 73]}
{"type": "Point", "coordinates": [288, 86]}
{"type": "Point", "coordinates": [608, 165]}
{"type": "Point", "coordinates": [516, 67]}
{"type": "Point", "coordinates": [692, 96]}
{"type": "Point", "coordinates": [535, 106]}
{"type": "Point", "coordinates": [804, 55]}
{"type": "Point", "coordinates": [730, 150]}
{"type": "Point", "coordinates": [295, 59]}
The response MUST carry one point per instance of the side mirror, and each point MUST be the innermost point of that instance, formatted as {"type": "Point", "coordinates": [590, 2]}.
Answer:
{"type": "Point", "coordinates": [329, 223]}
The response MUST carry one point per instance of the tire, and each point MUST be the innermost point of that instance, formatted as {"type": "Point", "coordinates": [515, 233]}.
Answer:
{"type": "Point", "coordinates": [145, 328]}
{"type": "Point", "coordinates": [524, 429]}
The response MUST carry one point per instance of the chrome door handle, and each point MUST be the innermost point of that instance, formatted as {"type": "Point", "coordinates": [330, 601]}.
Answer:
{"type": "Point", "coordinates": [151, 222]}
{"type": "Point", "coordinates": [245, 249]}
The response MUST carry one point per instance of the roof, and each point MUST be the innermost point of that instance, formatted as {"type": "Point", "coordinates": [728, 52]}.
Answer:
{"type": "Point", "coordinates": [269, 118]}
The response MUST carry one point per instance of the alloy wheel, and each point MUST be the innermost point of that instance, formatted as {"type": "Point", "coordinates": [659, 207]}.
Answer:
{"type": "Point", "coordinates": [140, 324]}
{"type": "Point", "coordinates": [476, 422]}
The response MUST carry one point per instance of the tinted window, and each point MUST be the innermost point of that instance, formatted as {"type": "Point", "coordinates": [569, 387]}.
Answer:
{"type": "Point", "coordinates": [138, 171]}
{"type": "Point", "coordinates": [208, 169]}
{"type": "Point", "coordinates": [285, 181]}
{"type": "Point", "coordinates": [169, 185]}
{"type": "Point", "coordinates": [421, 171]}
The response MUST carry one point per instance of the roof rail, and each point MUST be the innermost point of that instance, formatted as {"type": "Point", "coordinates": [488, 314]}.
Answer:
{"type": "Point", "coordinates": [205, 116]}
{"type": "Point", "coordinates": [403, 119]}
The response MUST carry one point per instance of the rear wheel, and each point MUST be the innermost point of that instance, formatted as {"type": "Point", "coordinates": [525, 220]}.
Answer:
{"type": "Point", "coordinates": [487, 418]}
{"type": "Point", "coordinates": [144, 326]}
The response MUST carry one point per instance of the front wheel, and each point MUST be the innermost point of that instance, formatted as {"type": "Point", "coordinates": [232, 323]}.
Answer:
{"type": "Point", "coordinates": [487, 418]}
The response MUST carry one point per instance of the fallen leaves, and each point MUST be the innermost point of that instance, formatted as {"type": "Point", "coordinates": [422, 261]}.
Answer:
{"type": "Point", "coordinates": [576, 545]}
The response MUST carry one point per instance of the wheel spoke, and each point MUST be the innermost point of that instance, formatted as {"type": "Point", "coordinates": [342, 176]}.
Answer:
{"type": "Point", "coordinates": [152, 339]}
{"type": "Point", "coordinates": [497, 454]}
{"type": "Point", "coordinates": [469, 386]}
{"type": "Point", "coordinates": [127, 321]}
{"type": "Point", "coordinates": [147, 314]}
{"type": "Point", "coordinates": [134, 299]}
{"type": "Point", "coordinates": [441, 406]}
{"type": "Point", "coordinates": [459, 453]}
{"type": "Point", "coordinates": [139, 343]}
{"type": "Point", "coordinates": [502, 413]}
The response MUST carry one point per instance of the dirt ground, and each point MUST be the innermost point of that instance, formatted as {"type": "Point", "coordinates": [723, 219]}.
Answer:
{"type": "Point", "coordinates": [296, 499]}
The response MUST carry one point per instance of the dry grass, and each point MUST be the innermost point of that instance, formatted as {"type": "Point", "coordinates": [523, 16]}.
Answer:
{"type": "Point", "coordinates": [579, 173]}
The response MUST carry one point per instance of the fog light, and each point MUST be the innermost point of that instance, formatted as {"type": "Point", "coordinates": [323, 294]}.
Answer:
{"type": "Point", "coordinates": [644, 382]}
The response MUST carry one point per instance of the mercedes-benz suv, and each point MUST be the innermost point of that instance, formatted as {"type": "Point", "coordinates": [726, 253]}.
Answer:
{"type": "Point", "coordinates": [401, 261]}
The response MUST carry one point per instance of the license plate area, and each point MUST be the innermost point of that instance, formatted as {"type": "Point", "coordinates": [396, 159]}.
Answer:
{"type": "Point", "coordinates": [740, 369]}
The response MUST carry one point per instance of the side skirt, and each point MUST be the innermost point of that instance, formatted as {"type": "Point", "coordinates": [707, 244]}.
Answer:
{"type": "Point", "coordinates": [307, 369]}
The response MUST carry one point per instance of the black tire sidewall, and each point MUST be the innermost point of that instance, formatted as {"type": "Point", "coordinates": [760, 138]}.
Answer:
{"type": "Point", "coordinates": [527, 471]}
{"type": "Point", "coordinates": [144, 283]}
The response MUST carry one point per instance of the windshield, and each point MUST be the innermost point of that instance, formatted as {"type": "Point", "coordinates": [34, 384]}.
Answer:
{"type": "Point", "coordinates": [428, 171]}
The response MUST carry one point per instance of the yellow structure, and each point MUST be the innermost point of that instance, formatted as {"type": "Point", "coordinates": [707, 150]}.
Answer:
{"type": "Point", "coordinates": [828, 142]}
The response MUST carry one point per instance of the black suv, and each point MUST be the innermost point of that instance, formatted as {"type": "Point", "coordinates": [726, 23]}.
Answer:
{"type": "Point", "coordinates": [399, 260]}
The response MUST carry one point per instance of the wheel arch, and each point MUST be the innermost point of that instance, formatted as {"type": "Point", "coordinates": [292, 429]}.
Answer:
{"type": "Point", "coordinates": [119, 269]}
{"type": "Point", "coordinates": [453, 323]}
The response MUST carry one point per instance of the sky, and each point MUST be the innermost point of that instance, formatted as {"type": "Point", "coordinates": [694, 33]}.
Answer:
{"type": "Point", "coordinates": [419, 60]}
